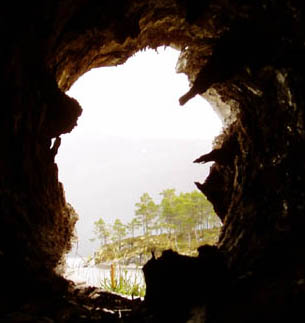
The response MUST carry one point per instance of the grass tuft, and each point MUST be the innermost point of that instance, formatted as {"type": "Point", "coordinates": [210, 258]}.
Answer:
{"type": "Point", "coordinates": [122, 283]}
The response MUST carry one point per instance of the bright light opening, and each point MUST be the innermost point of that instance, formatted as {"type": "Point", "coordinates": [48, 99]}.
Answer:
{"type": "Point", "coordinates": [133, 137]}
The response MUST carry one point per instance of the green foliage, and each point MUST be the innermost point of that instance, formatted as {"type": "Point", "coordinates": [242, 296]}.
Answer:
{"type": "Point", "coordinates": [186, 214]}
{"type": "Point", "coordinates": [124, 284]}
{"type": "Point", "coordinates": [168, 209]}
{"type": "Point", "coordinates": [181, 222]}
{"type": "Point", "coordinates": [138, 250]}
{"type": "Point", "coordinates": [146, 211]}
{"type": "Point", "coordinates": [101, 231]}
{"type": "Point", "coordinates": [132, 226]}
{"type": "Point", "coordinates": [118, 230]}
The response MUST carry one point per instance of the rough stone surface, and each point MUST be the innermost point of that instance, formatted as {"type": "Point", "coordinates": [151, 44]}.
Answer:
{"type": "Point", "coordinates": [248, 58]}
{"type": "Point", "coordinates": [74, 305]}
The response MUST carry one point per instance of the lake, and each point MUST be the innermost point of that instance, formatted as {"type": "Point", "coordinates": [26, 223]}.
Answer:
{"type": "Point", "coordinates": [92, 275]}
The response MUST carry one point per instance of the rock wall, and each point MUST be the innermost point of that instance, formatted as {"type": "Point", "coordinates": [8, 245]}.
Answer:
{"type": "Point", "coordinates": [35, 223]}
{"type": "Point", "coordinates": [248, 60]}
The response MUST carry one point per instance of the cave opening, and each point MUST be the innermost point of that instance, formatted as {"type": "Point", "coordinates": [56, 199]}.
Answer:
{"type": "Point", "coordinates": [134, 138]}
{"type": "Point", "coordinates": [254, 55]}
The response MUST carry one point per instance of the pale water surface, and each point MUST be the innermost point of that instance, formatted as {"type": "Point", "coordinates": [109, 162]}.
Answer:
{"type": "Point", "coordinates": [78, 271]}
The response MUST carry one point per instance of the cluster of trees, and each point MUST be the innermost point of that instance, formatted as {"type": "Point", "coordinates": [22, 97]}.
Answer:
{"type": "Point", "coordinates": [176, 213]}
{"type": "Point", "coordinates": [183, 214]}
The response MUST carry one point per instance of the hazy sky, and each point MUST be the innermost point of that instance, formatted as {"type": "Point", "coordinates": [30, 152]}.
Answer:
{"type": "Point", "coordinates": [105, 162]}
{"type": "Point", "coordinates": [140, 99]}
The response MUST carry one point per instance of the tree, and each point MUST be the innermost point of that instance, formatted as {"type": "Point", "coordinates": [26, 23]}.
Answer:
{"type": "Point", "coordinates": [186, 214]}
{"type": "Point", "coordinates": [186, 211]}
{"type": "Point", "coordinates": [168, 209]}
{"type": "Point", "coordinates": [146, 211]}
{"type": "Point", "coordinates": [132, 226]}
{"type": "Point", "coordinates": [119, 231]}
{"type": "Point", "coordinates": [101, 231]}
{"type": "Point", "coordinates": [205, 212]}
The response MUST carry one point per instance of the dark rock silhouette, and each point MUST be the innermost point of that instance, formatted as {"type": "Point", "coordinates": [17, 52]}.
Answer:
{"type": "Point", "coordinates": [177, 282]}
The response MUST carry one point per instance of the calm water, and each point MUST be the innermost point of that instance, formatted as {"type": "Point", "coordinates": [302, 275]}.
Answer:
{"type": "Point", "coordinates": [92, 275]}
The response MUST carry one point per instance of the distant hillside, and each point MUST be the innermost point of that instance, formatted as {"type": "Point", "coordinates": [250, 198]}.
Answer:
{"type": "Point", "coordinates": [106, 176]}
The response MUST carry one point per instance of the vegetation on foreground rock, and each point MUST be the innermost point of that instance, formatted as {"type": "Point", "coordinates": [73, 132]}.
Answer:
{"type": "Point", "coordinates": [121, 282]}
